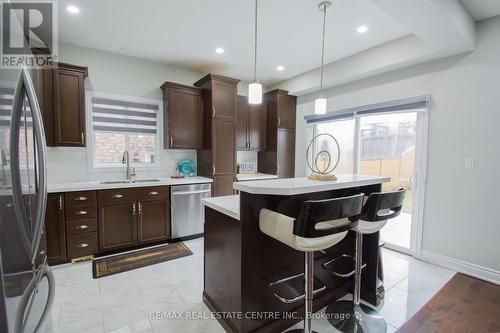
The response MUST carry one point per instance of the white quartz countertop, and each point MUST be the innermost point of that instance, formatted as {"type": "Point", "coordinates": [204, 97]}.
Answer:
{"type": "Point", "coordinates": [229, 205]}
{"type": "Point", "coordinates": [293, 186]}
{"type": "Point", "coordinates": [243, 177]}
{"type": "Point", "coordinates": [97, 185]}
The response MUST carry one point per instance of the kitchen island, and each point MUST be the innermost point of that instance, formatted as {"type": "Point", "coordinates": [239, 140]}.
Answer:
{"type": "Point", "coordinates": [241, 261]}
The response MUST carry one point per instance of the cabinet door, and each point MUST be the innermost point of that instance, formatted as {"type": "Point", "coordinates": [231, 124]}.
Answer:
{"type": "Point", "coordinates": [223, 144]}
{"type": "Point", "coordinates": [257, 129]}
{"type": "Point", "coordinates": [224, 100]}
{"type": "Point", "coordinates": [223, 185]}
{"type": "Point", "coordinates": [185, 119]}
{"type": "Point", "coordinates": [55, 229]}
{"type": "Point", "coordinates": [286, 153]}
{"type": "Point", "coordinates": [153, 220]}
{"type": "Point", "coordinates": [241, 123]}
{"type": "Point", "coordinates": [286, 111]}
{"type": "Point", "coordinates": [69, 108]}
{"type": "Point", "coordinates": [117, 226]}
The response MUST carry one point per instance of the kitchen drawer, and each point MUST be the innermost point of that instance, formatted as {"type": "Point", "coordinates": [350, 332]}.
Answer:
{"type": "Point", "coordinates": [81, 213]}
{"type": "Point", "coordinates": [82, 245]}
{"type": "Point", "coordinates": [146, 193]}
{"type": "Point", "coordinates": [81, 226]}
{"type": "Point", "coordinates": [74, 199]}
{"type": "Point", "coordinates": [116, 196]}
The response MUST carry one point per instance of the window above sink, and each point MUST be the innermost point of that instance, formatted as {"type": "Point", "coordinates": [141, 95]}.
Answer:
{"type": "Point", "coordinates": [118, 123]}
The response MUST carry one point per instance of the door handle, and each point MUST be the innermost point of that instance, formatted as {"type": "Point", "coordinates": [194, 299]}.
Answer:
{"type": "Point", "coordinates": [117, 196]}
{"type": "Point", "coordinates": [133, 208]}
{"type": "Point", "coordinates": [82, 198]}
{"type": "Point", "coordinates": [213, 111]}
{"type": "Point", "coordinates": [213, 169]}
{"type": "Point", "coordinates": [191, 192]}
{"type": "Point", "coordinates": [81, 212]}
{"type": "Point", "coordinates": [279, 121]}
{"type": "Point", "coordinates": [171, 142]}
{"type": "Point", "coordinates": [60, 202]}
{"type": "Point", "coordinates": [82, 245]}
{"type": "Point", "coordinates": [82, 138]}
{"type": "Point", "coordinates": [140, 208]}
{"type": "Point", "coordinates": [153, 193]}
{"type": "Point", "coordinates": [82, 227]}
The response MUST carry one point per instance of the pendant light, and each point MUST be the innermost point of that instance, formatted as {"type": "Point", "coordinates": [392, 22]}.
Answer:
{"type": "Point", "coordinates": [320, 102]}
{"type": "Point", "coordinates": [255, 88]}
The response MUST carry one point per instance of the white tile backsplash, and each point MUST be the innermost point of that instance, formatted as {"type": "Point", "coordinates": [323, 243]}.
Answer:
{"type": "Point", "coordinates": [69, 164]}
{"type": "Point", "coordinates": [247, 157]}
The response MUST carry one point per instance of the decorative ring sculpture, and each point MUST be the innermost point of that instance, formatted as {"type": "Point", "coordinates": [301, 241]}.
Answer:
{"type": "Point", "coordinates": [322, 163]}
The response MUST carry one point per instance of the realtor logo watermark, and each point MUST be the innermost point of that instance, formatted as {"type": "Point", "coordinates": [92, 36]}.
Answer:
{"type": "Point", "coordinates": [29, 33]}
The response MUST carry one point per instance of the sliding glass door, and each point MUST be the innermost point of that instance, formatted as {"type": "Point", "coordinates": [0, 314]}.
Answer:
{"type": "Point", "coordinates": [388, 144]}
{"type": "Point", "coordinates": [387, 148]}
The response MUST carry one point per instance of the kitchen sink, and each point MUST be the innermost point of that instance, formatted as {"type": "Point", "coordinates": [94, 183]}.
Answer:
{"type": "Point", "coordinates": [110, 182]}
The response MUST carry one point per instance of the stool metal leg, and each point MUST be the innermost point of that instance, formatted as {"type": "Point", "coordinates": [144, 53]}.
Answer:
{"type": "Point", "coordinates": [308, 286]}
{"type": "Point", "coordinates": [347, 316]}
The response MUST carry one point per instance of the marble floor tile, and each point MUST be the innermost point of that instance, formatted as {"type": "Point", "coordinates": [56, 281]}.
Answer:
{"type": "Point", "coordinates": [127, 302]}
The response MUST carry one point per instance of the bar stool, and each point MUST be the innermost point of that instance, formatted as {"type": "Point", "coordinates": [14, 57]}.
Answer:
{"type": "Point", "coordinates": [347, 316]}
{"type": "Point", "coordinates": [320, 225]}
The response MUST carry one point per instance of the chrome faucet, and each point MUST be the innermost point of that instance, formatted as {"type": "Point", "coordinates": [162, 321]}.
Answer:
{"type": "Point", "coordinates": [125, 160]}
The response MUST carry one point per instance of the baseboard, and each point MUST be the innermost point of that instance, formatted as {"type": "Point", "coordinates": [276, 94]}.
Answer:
{"type": "Point", "coordinates": [464, 267]}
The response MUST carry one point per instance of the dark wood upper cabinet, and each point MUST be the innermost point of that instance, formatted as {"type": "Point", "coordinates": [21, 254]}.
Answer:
{"type": "Point", "coordinates": [55, 229]}
{"type": "Point", "coordinates": [153, 220]}
{"type": "Point", "coordinates": [241, 123]}
{"type": "Point", "coordinates": [69, 105]}
{"type": "Point", "coordinates": [250, 125]}
{"type": "Point", "coordinates": [61, 95]}
{"type": "Point", "coordinates": [279, 158]}
{"type": "Point", "coordinates": [217, 159]}
{"type": "Point", "coordinates": [183, 116]}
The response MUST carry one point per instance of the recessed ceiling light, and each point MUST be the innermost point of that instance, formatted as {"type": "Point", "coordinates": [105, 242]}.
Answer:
{"type": "Point", "coordinates": [73, 9]}
{"type": "Point", "coordinates": [280, 68]}
{"type": "Point", "coordinates": [362, 29]}
{"type": "Point", "coordinates": [219, 50]}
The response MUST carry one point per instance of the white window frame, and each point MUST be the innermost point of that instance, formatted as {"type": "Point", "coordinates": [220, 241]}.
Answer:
{"type": "Point", "coordinates": [91, 166]}
{"type": "Point", "coordinates": [421, 142]}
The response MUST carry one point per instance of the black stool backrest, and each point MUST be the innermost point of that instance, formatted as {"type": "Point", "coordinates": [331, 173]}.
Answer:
{"type": "Point", "coordinates": [383, 206]}
{"type": "Point", "coordinates": [313, 212]}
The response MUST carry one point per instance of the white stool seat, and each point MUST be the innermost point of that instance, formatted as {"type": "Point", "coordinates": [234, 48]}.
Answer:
{"type": "Point", "coordinates": [280, 227]}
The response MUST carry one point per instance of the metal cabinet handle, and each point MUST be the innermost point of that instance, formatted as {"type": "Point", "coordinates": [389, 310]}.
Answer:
{"type": "Point", "coordinates": [153, 193]}
{"type": "Point", "coordinates": [83, 245]}
{"type": "Point", "coordinates": [42, 252]}
{"type": "Point", "coordinates": [60, 202]}
{"type": "Point", "coordinates": [278, 167]}
{"type": "Point", "coordinates": [133, 208]}
{"type": "Point", "coordinates": [117, 196]}
{"type": "Point", "coordinates": [140, 208]}
{"type": "Point", "coordinates": [279, 121]}
{"type": "Point", "coordinates": [213, 169]}
{"type": "Point", "coordinates": [171, 142]}
{"type": "Point", "coordinates": [82, 198]}
{"type": "Point", "coordinates": [83, 138]}
{"type": "Point", "coordinates": [81, 227]}
{"type": "Point", "coordinates": [213, 110]}
{"type": "Point", "coordinates": [81, 212]}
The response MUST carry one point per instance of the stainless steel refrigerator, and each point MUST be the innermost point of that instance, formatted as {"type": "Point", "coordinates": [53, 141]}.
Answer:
{"type": "Point", "coordinates": [26, 281]}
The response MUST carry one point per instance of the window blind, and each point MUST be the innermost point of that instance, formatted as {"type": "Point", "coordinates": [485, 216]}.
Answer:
{"type": "Point", "coordinates": [6, 103]}
{"type": "Point", "coordinates": [114, 115]}
{"type": "Point", "coordinates": [414, 104]}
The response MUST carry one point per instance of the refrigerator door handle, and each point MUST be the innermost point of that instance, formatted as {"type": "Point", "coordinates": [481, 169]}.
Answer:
{"type": "Point", "coordinates": [50, 300]}
{"type": "Point", "coordinates": [17, 191]}
{"type": "Point", "coordinates": [41, 153]}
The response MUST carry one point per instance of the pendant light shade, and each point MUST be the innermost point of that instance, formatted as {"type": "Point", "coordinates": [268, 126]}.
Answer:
{"type": "Point", "coordinates": [255, 93]}
{"type": "Point", "coordinates": [320, 102]}
{"type": "Point", "coordinates": [320, 106]}
{"type": "Point", "coordinates": [255, 88]}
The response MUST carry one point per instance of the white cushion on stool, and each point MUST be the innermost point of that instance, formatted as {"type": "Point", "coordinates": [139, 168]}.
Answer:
{"type": "Point", "coordinates": [368, 227]}
{"type": "Point", "coordinates": [280, 227]}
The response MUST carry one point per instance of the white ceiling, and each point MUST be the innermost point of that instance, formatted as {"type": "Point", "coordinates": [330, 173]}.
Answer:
{"type": "Point", "coordinates": [482, 9]}
{"type": "Point", "coordinates": [185, 33]}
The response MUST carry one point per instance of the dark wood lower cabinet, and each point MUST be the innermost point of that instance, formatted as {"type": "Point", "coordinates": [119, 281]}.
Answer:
{"type": "Point", "coordinates": [55, 229]}
{"type": "Point", "coordinates": [117, 226]}
{"type": "Point", "coordinates": [153, 220]}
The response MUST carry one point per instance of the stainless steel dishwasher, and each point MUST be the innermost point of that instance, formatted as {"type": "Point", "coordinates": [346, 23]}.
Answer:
{"type": "Point", "coordinates": [187, 213]}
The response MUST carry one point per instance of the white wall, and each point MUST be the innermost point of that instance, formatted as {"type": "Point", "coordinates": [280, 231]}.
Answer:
{"type": "Point", "coordinates": [121, 75]}
{"type": "Point", "coordinates": [461, 223]}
